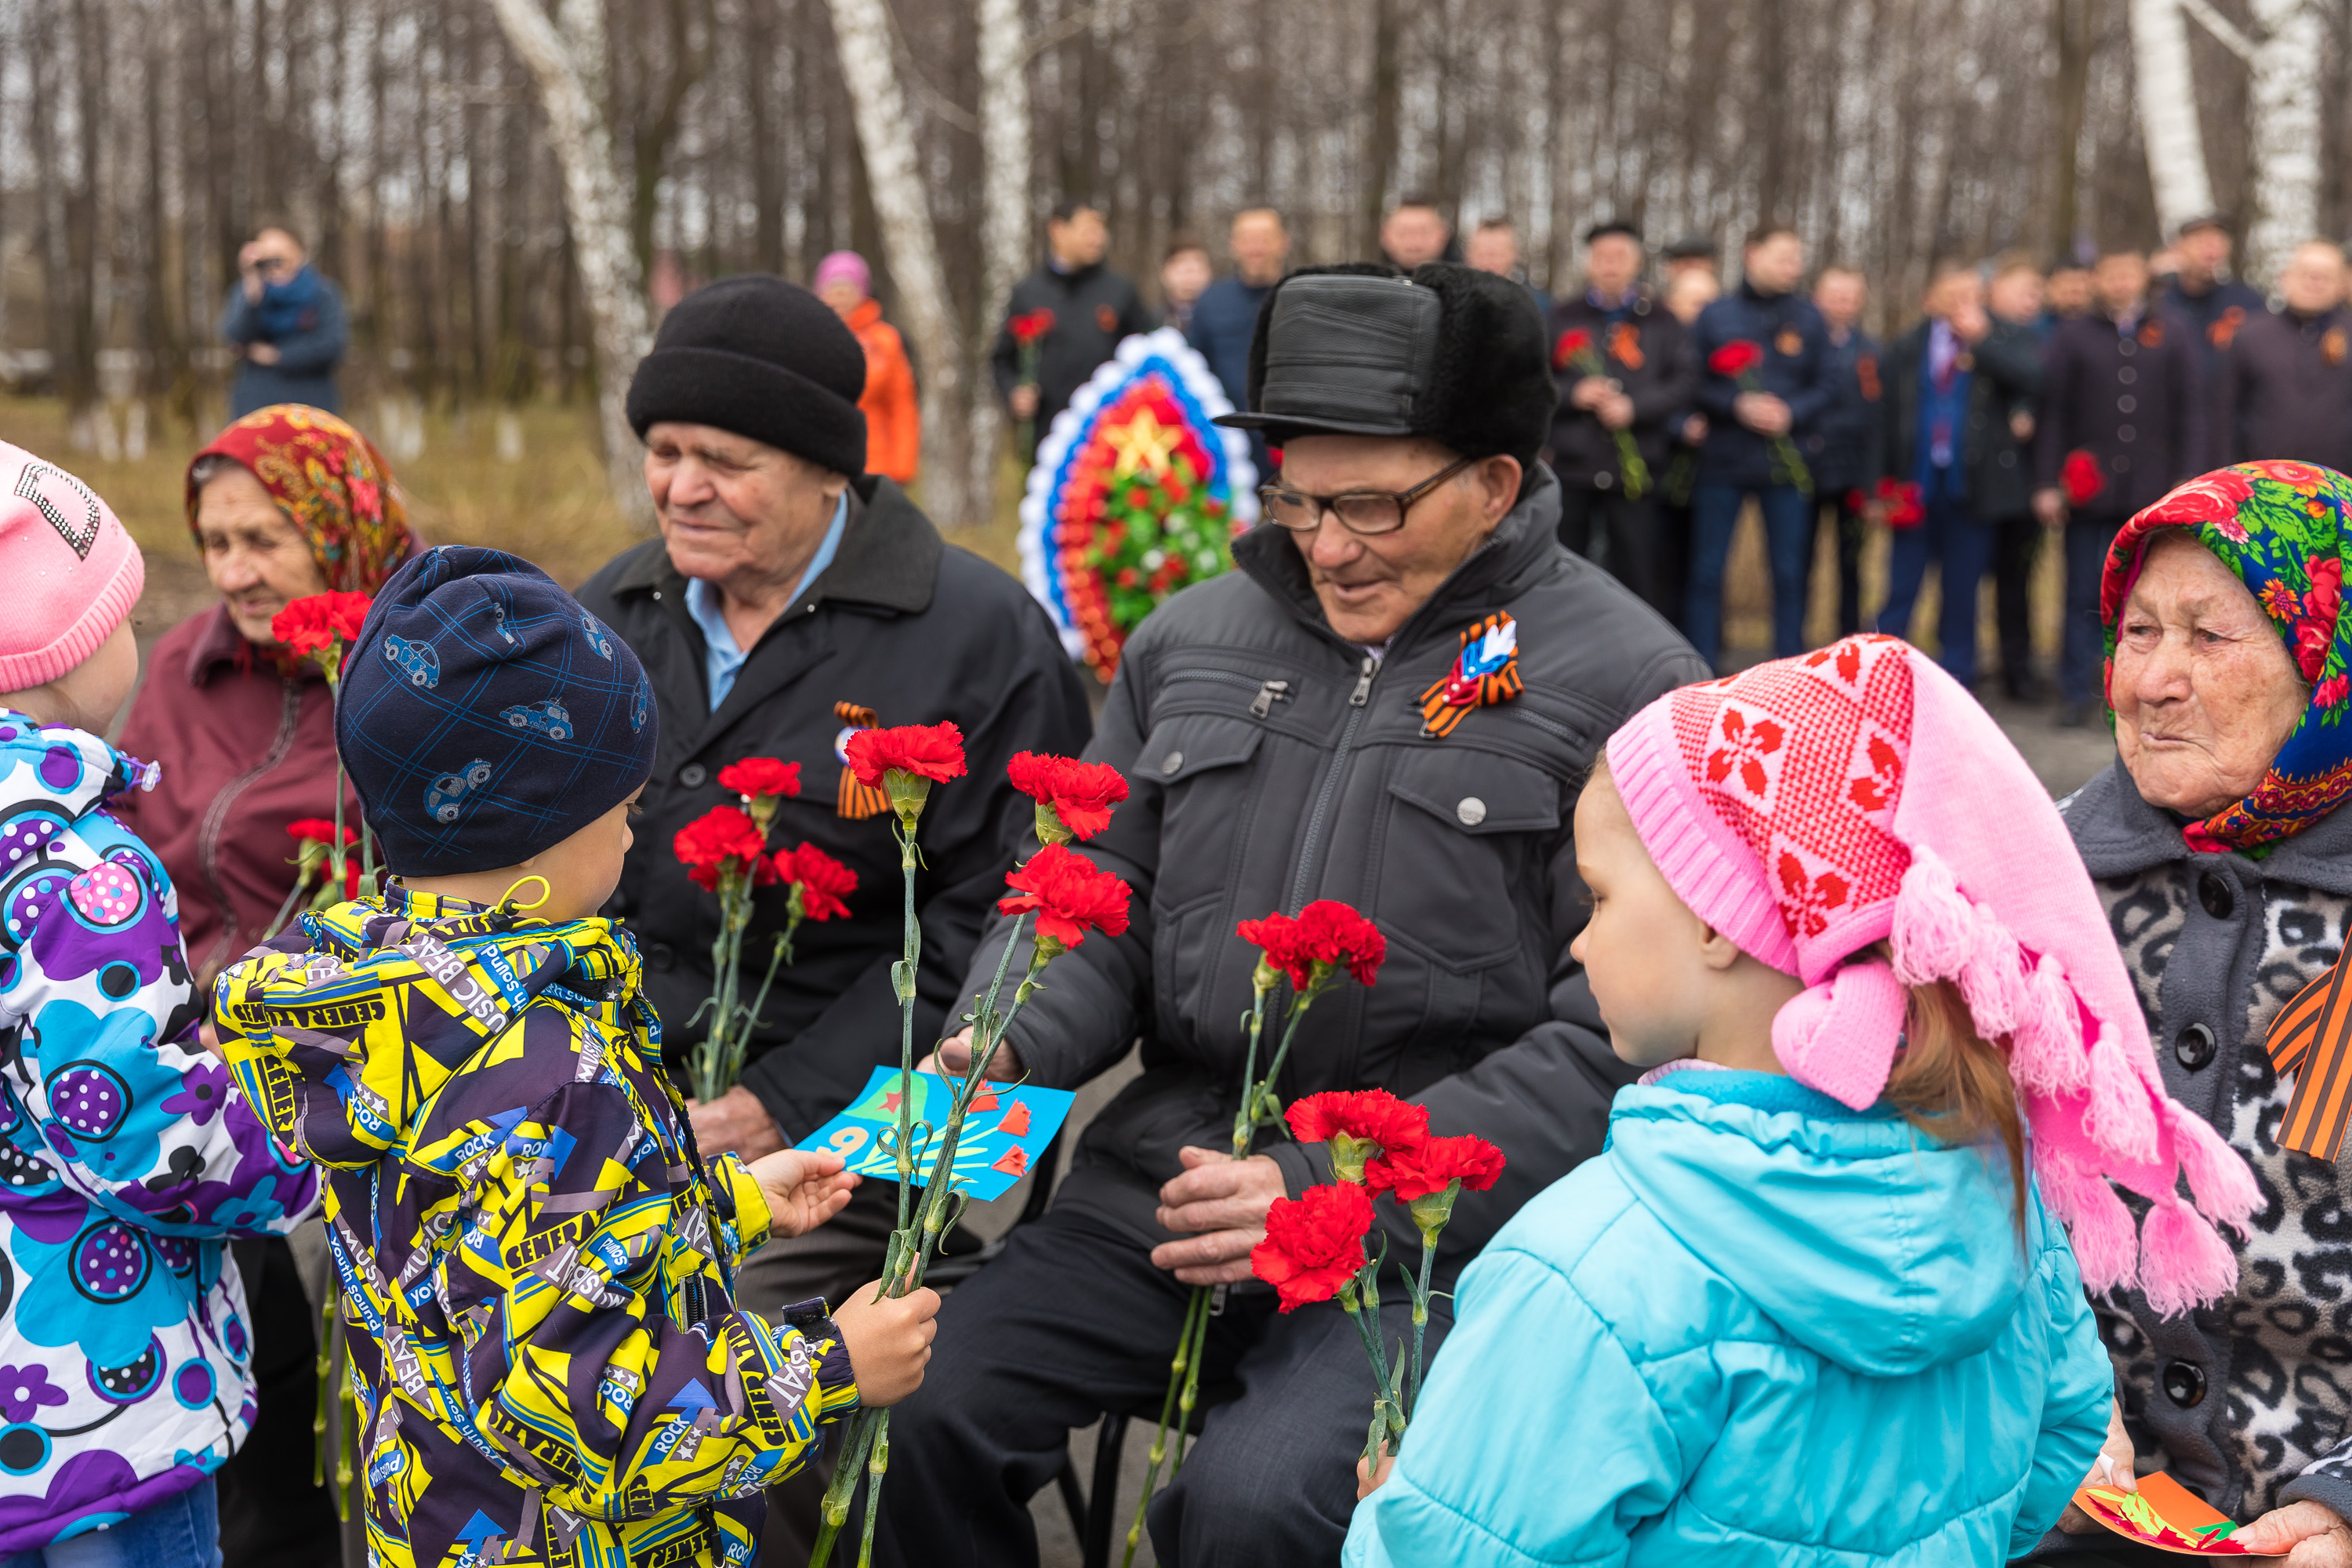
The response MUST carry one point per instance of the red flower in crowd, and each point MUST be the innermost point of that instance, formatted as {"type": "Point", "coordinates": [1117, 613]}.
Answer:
{"type": "Point", "coordinates": [1331, 932]}
{"type": "Point", "coordinates": [1314, 1244]}
{"type": "Point", "coordinates": [2080, 477]}
{"type": "Point", "coordinates": [1429, 1167]}
{"type": "Point", "coordinates": [1369, 1115]}
{"type": "Point", "coordinates": [1030, 326]}
{"type": "Point", "coordinates": [934, 752]}
{"type": "Point", "coordinates": [1069, 894]}
{"type": "Point", "coordinates": [720, 836]}
{"type": "Point", "coordinates": [1735, 358]}
{"type": "Point", "coordinates": [318, 830]}
{"type": "Point", "coordinates": [762, 776]}
{"type": "Point", "coordinates": [1572, 345]}
{"type": "Point", "coordinates": [1904, 507]}
{"type": "Point", "coordinates": [1277, 937]}
{"type": "Point", "coordinates": [1080, 794]}
{"type": "Point", "coordinates": [824, 882]}
{"type": "Point", "coordinates": [319, 621]}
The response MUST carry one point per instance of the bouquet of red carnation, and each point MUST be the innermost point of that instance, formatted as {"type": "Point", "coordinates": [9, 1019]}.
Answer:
{"type": "Point", "coordinates": [725, 851]}
{"type": "Point", "coordinates": [1575, 351]}
{"type": "Point", "coordinates": [318, 628]}
{"type": "Point", "coordinates": [2081, 477]}
{"type": "Point", "coordinates": [1902, 504]}
{"type": "Point", "coordinates": [1314, 1246]}
{"type": "Point", "coordinates": [1028, 330]}
{"type": "Point", "coordinates": [1739, 361]}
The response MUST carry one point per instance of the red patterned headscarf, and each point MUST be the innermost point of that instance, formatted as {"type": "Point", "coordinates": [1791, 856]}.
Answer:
{"type": "Point", "coordinates": [329, 481]}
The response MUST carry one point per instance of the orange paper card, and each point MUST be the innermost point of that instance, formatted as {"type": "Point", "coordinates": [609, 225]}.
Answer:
{"type": "Point", "coordinates": [2163, 1514]}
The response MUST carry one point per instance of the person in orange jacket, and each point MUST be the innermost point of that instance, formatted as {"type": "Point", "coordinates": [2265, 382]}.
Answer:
{"type": "Point", "coordinates": [894, 426]}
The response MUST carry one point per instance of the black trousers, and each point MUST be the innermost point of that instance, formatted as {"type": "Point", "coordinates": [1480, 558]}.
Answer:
{"type": "Point", "coordinates": [1073, 1320]}
{"type": "Point", "coordinates": [1626, 531]}
{"type": "Point", "coordinates": [270, 1514]}
{"type": "Point", "coordinates": [2016, 541]}
{"type": "Point", "coordinates": [1844, 522]}
{"type": "Point", "coordinates": [1672, 556]}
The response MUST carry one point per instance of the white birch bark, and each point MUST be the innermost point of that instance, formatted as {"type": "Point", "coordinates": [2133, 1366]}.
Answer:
{"type": "Point", "coordinates": [910, 244]}
{"type": "Point", "coordinates": [2283, 100]}
{"type": "Point", "coordinates": [566, 54]}
{"type": "Point", "coordinates": [2165, 89]}
{"type": "Point", "coordinates": [1004, 158]}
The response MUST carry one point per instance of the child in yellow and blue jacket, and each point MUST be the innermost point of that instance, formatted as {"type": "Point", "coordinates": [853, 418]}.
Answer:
{"type": "Point", "coordinates": [537, 1261]}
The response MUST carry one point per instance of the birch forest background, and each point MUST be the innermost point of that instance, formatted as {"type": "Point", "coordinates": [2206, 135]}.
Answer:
{"type": "Point", "coordinates": [509, 191]}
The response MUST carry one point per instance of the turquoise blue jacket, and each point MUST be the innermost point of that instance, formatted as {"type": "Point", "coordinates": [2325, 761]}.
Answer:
{"type": "Point", "coordinates": [1759, 1329]}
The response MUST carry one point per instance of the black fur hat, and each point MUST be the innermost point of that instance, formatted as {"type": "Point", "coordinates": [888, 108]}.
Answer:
{"type": "Point", "coordinates": [1449, 353]}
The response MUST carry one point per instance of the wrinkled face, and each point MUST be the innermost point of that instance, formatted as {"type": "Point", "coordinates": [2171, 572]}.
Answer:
{"type": "Point", "coordinates": [734, 507]}
{"type": "Point", "coordinates": [1370, 584]}
{"type": "Point", "coordinates": [1493, 250]}
{"type": "Point", "coordinates": [1079, 241]}
{"type": "Point", "coordinates": [1839, 296]}
{"type": "Point", "coordinates": [1185, 275]}
{"type": "Point", "coordinates": [2204, 690]}
{"type": "Point", "coordinates": [1775, 266]}
{"type": "Point", "coordinates": [258, 559]}
{"type": "Point", "coordinates": [1641, 947]}
{"type": "Point", "coordinates": [1612, 263]}
{"type": "Point", "coordinates": [1260, 244]}
{"type": "Point", "coordinates": [2313, 278]}
{"type": "Point", "coordinates": [1414, 235]}
{"type": "Point", "coordinates": [2121, 280]}
{"type": "Point", "coordinates": [2016, 295]}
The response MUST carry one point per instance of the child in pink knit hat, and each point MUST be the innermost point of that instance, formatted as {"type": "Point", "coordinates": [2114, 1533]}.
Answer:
{"type": "Point", "coordinates": [1808, 1305]}
{"type": "Point", "coordinates": [127, 1154]}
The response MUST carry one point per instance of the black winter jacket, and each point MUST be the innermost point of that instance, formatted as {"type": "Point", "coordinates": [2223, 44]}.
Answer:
{"type": "Point", "coordinates": [1660, 376]}
{"type": "Point", "coordinates": [2005, 379]}
{"type": "Point", "coordinates": [1094, 308]}
{"type": "Point", "coordinates": [1796, 369]}
{"type": "Point", "coordinates": [918, 632]}
{"type": "Point", "coordinates": [2286, 391]}
{"type": "Point", "coordinates": [2133, 401]}
{"type": "Point", "coordinates": [1845, 450]}
{"type": "Point", "coordinates": [1273, 763]}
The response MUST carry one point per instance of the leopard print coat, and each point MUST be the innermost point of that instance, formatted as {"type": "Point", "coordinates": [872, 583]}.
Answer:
{"type": "Point", "coordinates": [2248, 1400]}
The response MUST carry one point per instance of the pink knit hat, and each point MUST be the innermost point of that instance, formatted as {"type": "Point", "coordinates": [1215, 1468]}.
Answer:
{"type": "Point", "coordinates": [1810, 807]}
{"type": "Point", "coordinates": [71, 569]}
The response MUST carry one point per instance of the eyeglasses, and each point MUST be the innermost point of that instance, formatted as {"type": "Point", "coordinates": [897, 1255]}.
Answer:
{"type": "Point", "coordinates": [1358, 511]}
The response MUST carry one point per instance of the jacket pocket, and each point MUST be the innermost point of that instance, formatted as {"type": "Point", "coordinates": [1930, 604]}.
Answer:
{"type": "Point", "coordinates": [1200, 763]}
{"type": "Point", "coordinates": [1465, 865]}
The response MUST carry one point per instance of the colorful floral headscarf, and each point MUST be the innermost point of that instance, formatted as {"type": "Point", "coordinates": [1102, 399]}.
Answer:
{"type": "Point", "coordinates": [329, 481]}
{"type": "Point", "coordinates": [2282, 528]}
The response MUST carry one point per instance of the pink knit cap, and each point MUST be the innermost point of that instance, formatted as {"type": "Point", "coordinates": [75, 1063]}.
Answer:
{"type": "Point", "coordinates": [71, 569]}
{"type": "Point", "coordinates": [1810, 808]}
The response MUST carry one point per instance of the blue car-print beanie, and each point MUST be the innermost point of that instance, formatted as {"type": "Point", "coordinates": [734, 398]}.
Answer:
{"type": "Point", "coordinates": [484, 715]}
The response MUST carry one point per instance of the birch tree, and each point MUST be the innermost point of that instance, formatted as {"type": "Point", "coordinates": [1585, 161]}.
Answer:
{"type": "Point", "coordinates": [2283, 101]}
{"type": "Point", "coordinates": [2165, 89]}
{"type": "Point", "coordinates": [566, 55]}
{"type": "Point", "coordinates": [1003, 50]}
{"type": "Point", "coordinates": [910, 244]}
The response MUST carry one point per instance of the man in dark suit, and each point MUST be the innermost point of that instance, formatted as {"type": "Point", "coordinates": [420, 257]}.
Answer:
{"type": "Point", "coordinates": [1952, 383]}
{"type": "Point", "coordinates": [1088, 309]}
{"type": "Point", "coordinates": [2217, 306]}
{"type": "Point", "coordinates": [2286, 382]}
{"type": "Point", "coordinates": [1844, 449]}
{"type": "Point", "coordinates": [1645, 379]}
{"type": "Point", "coordinates": [2122, 423]}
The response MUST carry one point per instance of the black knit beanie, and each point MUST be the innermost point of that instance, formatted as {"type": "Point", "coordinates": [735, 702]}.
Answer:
{"type": "Point", "coordinates": [484, 715]}
{"type": "Point", "coordinates": [764, 358]}
{"type": "Point", "coordinates": [1450, 354]}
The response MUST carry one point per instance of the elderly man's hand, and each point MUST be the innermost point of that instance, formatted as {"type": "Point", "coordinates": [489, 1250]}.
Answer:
{"type": "Point", "coordinates": [953, 1059]}
{"type": "Point", "coordinates": [2307, 1534]}
{"type": "Point", "coordinates": [736, 1122]}
{"type": "Point", "coordinates": [1226, 1200]}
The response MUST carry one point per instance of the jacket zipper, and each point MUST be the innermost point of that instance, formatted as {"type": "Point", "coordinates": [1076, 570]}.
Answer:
{"type": "Point", "coordinates": [1269, 692]}
{"type": "Point", "coordinates": [208, 836]}
{"type": "Point", "coordinates": [1311, 853]}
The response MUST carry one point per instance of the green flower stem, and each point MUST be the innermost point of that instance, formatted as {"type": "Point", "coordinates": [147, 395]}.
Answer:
{"type": "Point", "coordinates": [1245, 1120]}
{"type": "Point", "coordinates": [833, 1511]}
{"type": "Point", "coordinates": [1195, 1313]}
{"type": "Point", "coordinates": [325, 1371]}
{"type": "Point", "coordinates": [1260, 1096]}
{"type": "Point", "coordinates": [903, 977]}
{"type": "Point", "coordinates": [1420, 1320]}
{"type": "Point", "coordinates": [938, 1192]}
{"type": "Point", "coordinates": [875, 1468]}
{"type": "Point", "coordinates": [1189, 1397]}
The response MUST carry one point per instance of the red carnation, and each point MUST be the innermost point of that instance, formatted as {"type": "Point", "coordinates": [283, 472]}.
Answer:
{"type": "Point", "coordinates": [1077, 796]}
{"type": "Point", "coordinates": [1735, 358]}
{"type": "Point", "coordinates": [1314, 1245]}
{"type": "Point", "coordinates": [2081, 477]}
{"type": "Point", "coordinates": [1277, 938]}
{"type": "Point", "coordinates": [1068, 894]}
{"type": "Point", "coordinates": [932, 752]}
{"type": "Point", "coordinates": [757, 776]}
{"type": "Point", "coordinates": [1031, 326]}
{"type": "Point", "coordinates": [1358, 1125]}
{"type": "Point", "coordinates": [1431, 1165]}
{"type": "Point", "coordinates": [720, 842]}
{"type": "Point", "coordinates": [1573, 344]}
{"type": "Point", "coordinates": [824, 882]}
{"type": "Point", "coordinates": [1905, 506]}
{"type": "Point", "coordinates": [320, 622]}
{"type": "Point", "coordinates": [1333, 934]}
{"type": "Point", "coordinates": [318, 830]}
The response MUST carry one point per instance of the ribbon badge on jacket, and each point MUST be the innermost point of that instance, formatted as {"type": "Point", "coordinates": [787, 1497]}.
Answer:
{"type": "Point", "coordinates": [856, 801]}
{"type": "Point", "coordinates": [1485, 671]}
{"type": "Point", "coordinates": [2312, 1039]}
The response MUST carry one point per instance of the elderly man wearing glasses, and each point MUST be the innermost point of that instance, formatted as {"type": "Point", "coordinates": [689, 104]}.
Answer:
{"type": "Point", "coordinates": [1392, 703]}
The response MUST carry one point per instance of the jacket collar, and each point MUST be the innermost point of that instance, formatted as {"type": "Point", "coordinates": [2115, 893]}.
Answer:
{"type": "Point", "coordinates": [890, 557]}
{"type": "Point", "coordinates": [1522, 545]}
{"type": "Point", "coordinates": [2119, 834]}
{"type": "Point", "coordinates": [220, 646]}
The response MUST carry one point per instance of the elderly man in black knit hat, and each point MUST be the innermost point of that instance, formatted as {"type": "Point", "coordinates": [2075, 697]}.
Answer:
{"type": "Point", "coordinates": [791, 598]}
{"type": "Point", "coordinates": [1392, 703]}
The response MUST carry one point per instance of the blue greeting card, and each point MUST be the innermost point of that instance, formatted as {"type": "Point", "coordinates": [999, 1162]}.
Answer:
{"type": "Point", "coordinates": [1005, 1133]}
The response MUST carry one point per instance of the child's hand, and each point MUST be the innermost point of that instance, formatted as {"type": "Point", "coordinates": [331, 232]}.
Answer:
{"type": "Point", "coordinates": [1368, 1480]}
{"type": "Point", "coordinates": [2112, 1468]}
{"type": "Point", "coordinates": [803, 1189]}
{"type": "Point", "coordinates": [888, 1340]}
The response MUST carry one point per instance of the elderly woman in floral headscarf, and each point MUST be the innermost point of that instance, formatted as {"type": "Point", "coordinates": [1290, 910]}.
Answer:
{"type": "Point", "coordinates": [2226, 866]}
{"type": "Point", "coordinates": [286, 503]}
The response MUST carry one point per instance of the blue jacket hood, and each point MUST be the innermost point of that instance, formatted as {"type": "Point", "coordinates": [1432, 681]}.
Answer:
{"type": "Point", "coordinates": [1914, 1258]}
